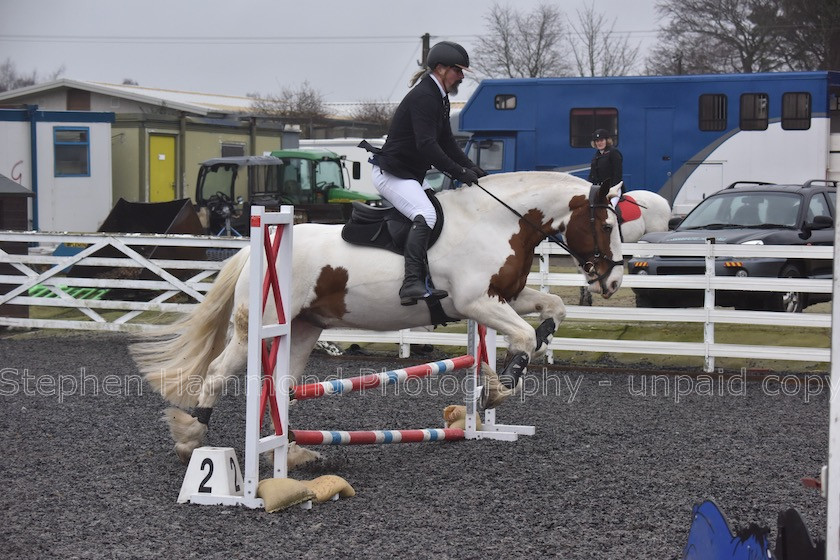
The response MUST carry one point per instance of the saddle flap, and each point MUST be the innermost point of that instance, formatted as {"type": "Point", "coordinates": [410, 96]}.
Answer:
{"type": "Point", "coordinates": [385, 228]}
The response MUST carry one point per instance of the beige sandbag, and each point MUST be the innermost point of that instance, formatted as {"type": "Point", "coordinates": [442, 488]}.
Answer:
{"type": "Point", "coordinates": [281, 493]}
{"type": "Point", "coordinates": [455, 416]}
{"type": "Point", "coordinates": [326, 486]}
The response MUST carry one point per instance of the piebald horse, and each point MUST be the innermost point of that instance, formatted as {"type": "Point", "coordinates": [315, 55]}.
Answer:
{"type": "Point", "coordinates": [482, 258]}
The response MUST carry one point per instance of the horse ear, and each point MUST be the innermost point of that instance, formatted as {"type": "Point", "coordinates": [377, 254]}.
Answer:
{"type": "Point", "coordinates": [615, 191]}
{"type": "Point", "coordinates": [603, 191]}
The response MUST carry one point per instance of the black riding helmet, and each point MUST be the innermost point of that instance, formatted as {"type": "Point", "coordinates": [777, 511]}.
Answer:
{"type": "Point", "coordinates": [599, 134]}
{"type": "Point", "coordinates": [448, 54]}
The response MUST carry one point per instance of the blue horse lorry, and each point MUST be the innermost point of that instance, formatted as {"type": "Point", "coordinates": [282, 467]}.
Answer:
{"type": "Point", "coordinates": [684, 137]}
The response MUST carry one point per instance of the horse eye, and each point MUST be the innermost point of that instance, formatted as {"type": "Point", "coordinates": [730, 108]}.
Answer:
{"type": "Point", "coordinates": [608, 227]}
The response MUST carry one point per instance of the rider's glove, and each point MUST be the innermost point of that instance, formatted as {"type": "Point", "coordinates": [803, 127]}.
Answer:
{"type": "Point", "coordinates": [467, 176]}
{"type": "Point", "coordinates": [479, 172]}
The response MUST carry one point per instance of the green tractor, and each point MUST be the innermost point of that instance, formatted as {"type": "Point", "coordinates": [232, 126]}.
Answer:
{"type": "Point", "coordinates": [315, 181]}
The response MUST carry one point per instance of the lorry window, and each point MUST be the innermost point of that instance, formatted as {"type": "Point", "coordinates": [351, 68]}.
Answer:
{"type": "Point", "coordinates": [487, 154]}
{"type": "Point", "coordinates": [796, 110]}
{"type": "Point", "coordinates": [834, 109]}
{"type": "Point", "coordinates": [584, 121]}
{"type": "Point", "coordinates": [754, 111]}
{"type": "Point", "coordinates": [712, 114]}
{"type": "Point", "coordinates": [505, 102]}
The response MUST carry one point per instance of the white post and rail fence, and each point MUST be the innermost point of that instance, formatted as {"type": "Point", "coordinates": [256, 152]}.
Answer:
{"type": "Point", "coordinates": [62, 292]}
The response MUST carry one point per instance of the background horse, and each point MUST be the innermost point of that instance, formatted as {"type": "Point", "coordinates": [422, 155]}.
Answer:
{"type": "Point", "coordinates": [653, 215]}
{"type": "Point", "coordinates": [482, 258]}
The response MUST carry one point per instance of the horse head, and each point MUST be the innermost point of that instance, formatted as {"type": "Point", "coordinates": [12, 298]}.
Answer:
{"type": "Point", "coordinates": [593, 239]}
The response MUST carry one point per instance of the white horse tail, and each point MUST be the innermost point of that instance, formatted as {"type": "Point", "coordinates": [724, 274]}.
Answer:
{"type": "Point", "coordinates": [176, 364]}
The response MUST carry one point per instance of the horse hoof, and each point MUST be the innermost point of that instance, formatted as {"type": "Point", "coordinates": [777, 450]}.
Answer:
{"type": "Point", "coordinates": [184, 451]}
{"type": "Point", "coordinates": [298, 456]}
{"type": "Point", "coordinates": [514, 370]}
{"type": "Point", "coordinates": [544, 332]}
{"type": "Point", "coordinates": [187, 432]}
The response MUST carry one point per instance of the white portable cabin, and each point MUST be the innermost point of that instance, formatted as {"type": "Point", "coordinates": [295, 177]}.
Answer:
{"type": "Point", "coordinates": [64, 158]}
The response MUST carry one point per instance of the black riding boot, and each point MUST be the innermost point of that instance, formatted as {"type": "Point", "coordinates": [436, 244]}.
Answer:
{"type": "Point", "coordinates": [416, 267]}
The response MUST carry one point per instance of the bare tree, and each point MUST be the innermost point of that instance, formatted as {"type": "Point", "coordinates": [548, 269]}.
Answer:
{"type": "Point", "coordinates": [378, 113]}
{"type": "Point", "coordinates": [598, 50]}
{"type": "Point", "coordinates": [11, 79]}
{"type": "Point", "coordinates": [520, 45]}
{"type": "Point", "coordinates": [812, 31]}
{"type": "Point", "coordinates": [718, 36]}
{"type": "Point", "coordinates": [304, 102]}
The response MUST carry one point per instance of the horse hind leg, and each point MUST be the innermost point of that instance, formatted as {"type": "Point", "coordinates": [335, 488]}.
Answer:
{"type": "Point", "coordinates": [188, 430]}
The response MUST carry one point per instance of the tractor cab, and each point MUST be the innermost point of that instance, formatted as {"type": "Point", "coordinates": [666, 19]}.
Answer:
{"type": "Point", "coordinates": [312, 180]}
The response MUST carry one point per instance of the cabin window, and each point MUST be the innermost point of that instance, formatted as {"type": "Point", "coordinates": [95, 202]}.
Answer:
{"type": "Point", "coordinates": [505, 102]}
{"type": "Point", "coordinates": [233, 150]}
{"type": "Point", "coordinates": [754, 110]}
{"type": "Point", "coordinates": [712, 111]}
{"type": "Point", "coordinates": [72, 151]}
{"type": "Point", "coordinates": [796, 111]}
{"type": "Point", "coordinates": [584, 121]}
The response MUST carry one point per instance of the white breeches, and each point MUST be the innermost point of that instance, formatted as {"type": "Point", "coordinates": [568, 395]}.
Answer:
{"type": "Point", "coordinates": [407, 195]}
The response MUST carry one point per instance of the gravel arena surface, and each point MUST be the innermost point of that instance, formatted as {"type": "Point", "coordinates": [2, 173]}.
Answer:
{"type": "Point", "coordinates": [615, 467]}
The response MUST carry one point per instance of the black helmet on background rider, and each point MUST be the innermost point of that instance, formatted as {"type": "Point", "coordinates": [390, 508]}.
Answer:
{"type": "Point", "coordinates": [599, 134]}
{"type": "Point", "coordinates": [448, 54]}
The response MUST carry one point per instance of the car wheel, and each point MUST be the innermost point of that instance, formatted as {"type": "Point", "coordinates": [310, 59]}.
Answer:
{"type": "Point", "coordinates": [790, 302]}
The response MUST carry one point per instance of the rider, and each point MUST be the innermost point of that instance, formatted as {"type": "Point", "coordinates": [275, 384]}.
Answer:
{"type": "Point", "coordinates": [420, 136]}
{"type": "Point", "coordinates": [607, 162]}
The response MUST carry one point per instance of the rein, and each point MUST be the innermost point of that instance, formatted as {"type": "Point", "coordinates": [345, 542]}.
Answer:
{"type": "Point", "coordinates": [588, 266]}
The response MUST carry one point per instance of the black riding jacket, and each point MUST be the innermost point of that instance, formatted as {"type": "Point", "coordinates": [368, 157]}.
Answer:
{"type": "Point", "coordinates": [606, 167]}
{"type": "Point", "coordinates": [420, 136]}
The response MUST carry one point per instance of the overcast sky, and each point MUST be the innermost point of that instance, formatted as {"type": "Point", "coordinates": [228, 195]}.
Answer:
{"type": "Point", "coordinates": [348, 50]}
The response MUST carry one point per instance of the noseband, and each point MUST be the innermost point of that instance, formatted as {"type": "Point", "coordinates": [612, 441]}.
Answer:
{"type": "Point", "coordinates": [588, 265]}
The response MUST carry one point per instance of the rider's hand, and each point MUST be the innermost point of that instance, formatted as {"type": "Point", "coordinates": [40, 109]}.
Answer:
{"type": "Point", "coordinates": [467, 176]}
{"type": "Point", "coordinates": [479, 172]}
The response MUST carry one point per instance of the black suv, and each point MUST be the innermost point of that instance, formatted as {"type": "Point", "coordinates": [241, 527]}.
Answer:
{"type": "Point", "coordinates": [748, 213]}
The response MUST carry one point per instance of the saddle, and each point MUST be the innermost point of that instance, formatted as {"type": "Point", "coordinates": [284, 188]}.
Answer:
{"type": "Point", "coordinates": [628, 209]}
{"type": "Point", "coordinates": [385, 228]}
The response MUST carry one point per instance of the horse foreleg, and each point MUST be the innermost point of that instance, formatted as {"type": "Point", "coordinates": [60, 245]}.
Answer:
{"type": "Point", "coordinates": [551, 309]}
{"type": "Point", "coordinates": [522, 339]}
{"type": "Point", "coordinates": [304, 337]}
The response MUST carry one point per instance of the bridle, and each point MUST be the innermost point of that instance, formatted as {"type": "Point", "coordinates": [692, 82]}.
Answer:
{"type": "Point", "coordinates": [588, 265]}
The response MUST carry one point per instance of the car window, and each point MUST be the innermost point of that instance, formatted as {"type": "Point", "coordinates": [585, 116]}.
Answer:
{"type": "Point", "coordinates": [817, 207]}
{"type": "Point", "coordinates": [744, 209]}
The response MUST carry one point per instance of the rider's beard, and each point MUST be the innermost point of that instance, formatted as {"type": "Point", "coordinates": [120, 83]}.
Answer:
{"type": "Point", "coordinates": [453, 89]}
